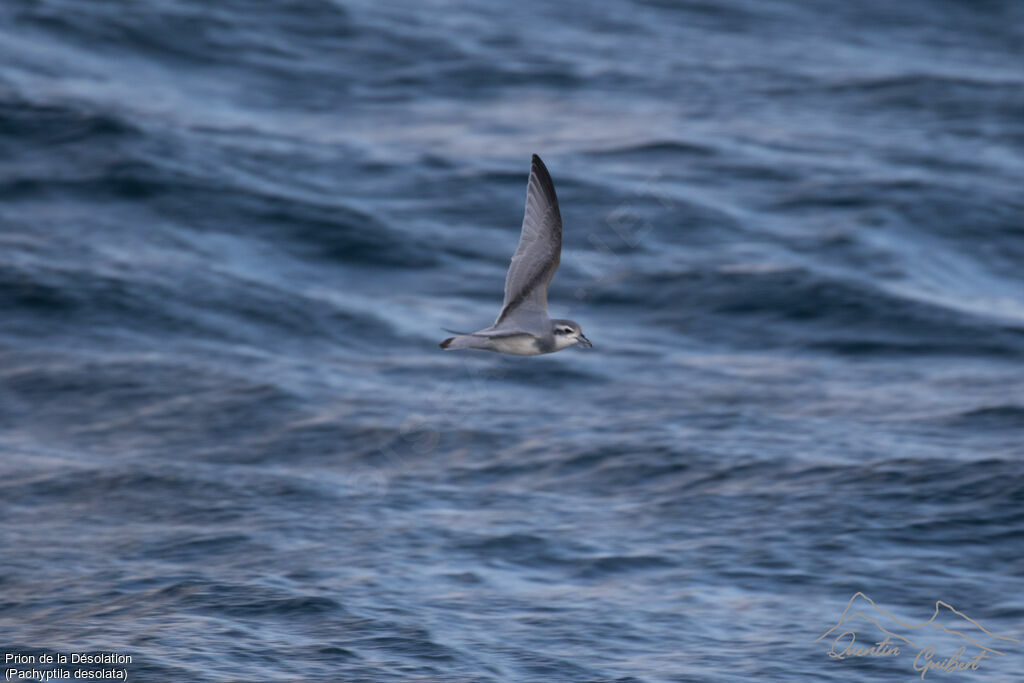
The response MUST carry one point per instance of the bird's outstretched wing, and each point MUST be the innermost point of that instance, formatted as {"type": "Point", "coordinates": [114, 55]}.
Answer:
{"type": "Point", "coordinates": [537, 258]}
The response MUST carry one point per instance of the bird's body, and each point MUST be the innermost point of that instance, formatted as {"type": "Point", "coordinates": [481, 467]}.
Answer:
{"type": "Point", "coordinates": [523, 327]}
{"type": "Point", "coordinates": [514, 344]}
{"type": "Point", "coordinates": [519, 343]}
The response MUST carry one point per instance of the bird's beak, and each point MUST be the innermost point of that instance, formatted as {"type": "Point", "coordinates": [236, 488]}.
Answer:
{"type": "Point", "coordinates": [583, 341]}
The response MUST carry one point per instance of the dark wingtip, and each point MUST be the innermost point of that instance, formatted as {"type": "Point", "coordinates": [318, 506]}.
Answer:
{"type": "Point", "coordinates": [539, 170]}
{"type": "Point", "coordinates": [447, 342]}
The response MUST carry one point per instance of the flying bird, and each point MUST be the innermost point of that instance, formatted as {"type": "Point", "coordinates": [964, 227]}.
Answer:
{"type": "Point", "coordinates": [523, 327]}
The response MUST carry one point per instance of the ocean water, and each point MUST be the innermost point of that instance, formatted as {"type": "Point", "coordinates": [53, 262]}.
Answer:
{"type": "Point", "coordinates": [230, 235]}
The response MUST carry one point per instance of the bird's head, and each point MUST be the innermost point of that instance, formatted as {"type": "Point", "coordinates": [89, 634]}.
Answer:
{"type": "Point", "coordinates": [568, 333]}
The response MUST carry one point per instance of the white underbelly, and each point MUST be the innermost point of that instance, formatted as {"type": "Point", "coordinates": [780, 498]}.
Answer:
{"type": "Point", "coordinates": [519, 345]}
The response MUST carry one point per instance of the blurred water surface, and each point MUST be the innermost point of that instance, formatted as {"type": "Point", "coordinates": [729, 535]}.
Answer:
{"type": "Point", "coordinates": [231, 232]}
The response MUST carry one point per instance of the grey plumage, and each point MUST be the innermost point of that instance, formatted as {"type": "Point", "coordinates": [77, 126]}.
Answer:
{"type": "Point", "coordinates": [540, 248]}
{"type": "Point", "coordinates": [523, 326]}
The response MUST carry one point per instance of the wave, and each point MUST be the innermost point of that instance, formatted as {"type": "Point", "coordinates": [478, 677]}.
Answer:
{"type": "Point", "coordinates": [796, 307]}
{"type": "Point", "coordinates": [999, 417]}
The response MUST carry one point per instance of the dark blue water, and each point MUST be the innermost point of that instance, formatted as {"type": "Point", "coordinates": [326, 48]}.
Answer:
{"type": "Point", "coordinates": [230, 235]}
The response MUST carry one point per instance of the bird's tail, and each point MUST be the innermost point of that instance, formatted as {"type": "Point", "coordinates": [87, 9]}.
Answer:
{"type": "Point", "coordinates": [464, 341]}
